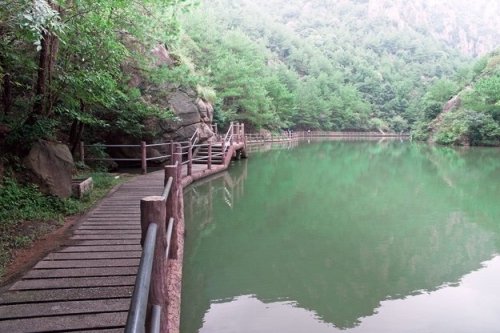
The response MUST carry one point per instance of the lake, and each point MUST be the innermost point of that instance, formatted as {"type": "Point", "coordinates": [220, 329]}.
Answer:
{"type": "Point", "coordinates": [351, 236]}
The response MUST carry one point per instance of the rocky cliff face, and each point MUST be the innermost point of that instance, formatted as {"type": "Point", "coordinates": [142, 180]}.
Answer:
{"type": "Point", "coordinates": [473, 28]}
{"type": "Point", "coordinates": [191, 111]}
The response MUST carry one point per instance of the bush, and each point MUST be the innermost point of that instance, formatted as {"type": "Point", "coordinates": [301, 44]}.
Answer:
{"type": "Point", "coordinates": [26, 213]}
{"type": "Point", "coordinates": [467, 126]}
{"type": "Point", "coordinates": [19, 202]}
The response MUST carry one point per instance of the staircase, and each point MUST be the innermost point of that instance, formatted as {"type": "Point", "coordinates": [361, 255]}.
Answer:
{"type": "Point", "coordinates": [201, 154]}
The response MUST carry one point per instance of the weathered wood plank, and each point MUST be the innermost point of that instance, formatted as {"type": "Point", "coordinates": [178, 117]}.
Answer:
{"type": "Point", "coordinates": [109, 222]}
{"type": "Point", "coordinates": [87, 263]}
{"type": "Point", "coordinates": [63, 323]}
{"type": "Point", "coordinates": [110, 227]}
{"type": "Point", "coordinates": [74, 282]}
{"type": "Point", "coordinates": [106, 232]}
{"type": "Point", "coordinates": [102, 248]}
{"type": "Point", "coordinates": [104, 242]}
{"type": "Point", "coordinates": [36, 296]}
{"type": "Point", "coordinates": [107, 236]}
{"type": "Point", "coordinates": [93, 255]}
{"type": "Point", "coordinates": [75, 272]}
{"type": "Point", "coordinates": [13, 311]}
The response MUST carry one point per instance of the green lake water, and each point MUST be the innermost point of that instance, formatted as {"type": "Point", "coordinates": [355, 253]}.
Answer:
{"type": "Point", "coordinates": [346, 236]}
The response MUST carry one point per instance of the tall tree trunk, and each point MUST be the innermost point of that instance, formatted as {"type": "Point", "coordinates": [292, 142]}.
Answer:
{"type": "Point", "coordinates": [46, 61]}
{"type": "Point", "coordinates": [76, 130]}
{"type": "Point", "coordinates": [43, 103]}
{"type": "Point", "coordinates": [41, 82]}
{"type": "Point", "coordinates": [7, 94]}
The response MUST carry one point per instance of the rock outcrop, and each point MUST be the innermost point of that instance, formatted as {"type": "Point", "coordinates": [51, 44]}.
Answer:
{"type": "Point", "coordinates": [451, 105]}
{"type": "Point", "coordinates": [50, 166]}
{"type": "Point", "coordinates": [191, 111]}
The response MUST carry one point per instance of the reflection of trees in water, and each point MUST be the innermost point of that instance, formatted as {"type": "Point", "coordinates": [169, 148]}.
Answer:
{"type": "Point", "coordinates": [339, 227]}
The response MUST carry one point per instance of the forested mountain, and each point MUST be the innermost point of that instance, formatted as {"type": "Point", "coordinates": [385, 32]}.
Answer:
{"type": "Point", "coordinates": [472, 116]}
{"type": "Point", "coordinates": [330, 64]}
{"type": "Point", "coordinates": [340, 65]}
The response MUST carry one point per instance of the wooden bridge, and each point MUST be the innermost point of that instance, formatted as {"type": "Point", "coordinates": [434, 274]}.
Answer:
{"type": "Point", "coordinates": [87, 284]}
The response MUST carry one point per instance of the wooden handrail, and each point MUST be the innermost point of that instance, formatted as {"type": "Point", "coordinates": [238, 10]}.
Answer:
{"type": "Point", "coordinates": [159, 240]}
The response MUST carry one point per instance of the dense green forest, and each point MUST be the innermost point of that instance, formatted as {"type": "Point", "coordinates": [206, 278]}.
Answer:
{"type": "Point", "coordinates": [65, 66]}
{"type": "Point", "coordinates": [62, 67]}
{"type": "Point", "coordinates": [331, 65]}
{"type": "Point", "coordinates": [472, 117]}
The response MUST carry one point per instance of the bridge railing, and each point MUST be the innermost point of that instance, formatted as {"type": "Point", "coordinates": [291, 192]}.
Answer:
{"type": "Point", "coordinates": [165, 151]}
{"type": "Point", "coordinates": [287, 136]}
{"type": "Point", "coordinates": [319, 134]}
{"type": "Point", "coordinates": [270, 137]}
{"type": "Point", "coordinates": [159, 214]}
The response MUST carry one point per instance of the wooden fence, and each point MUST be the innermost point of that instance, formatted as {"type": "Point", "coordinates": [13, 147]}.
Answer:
{"type": "Point", "coordinates": [165, 151]}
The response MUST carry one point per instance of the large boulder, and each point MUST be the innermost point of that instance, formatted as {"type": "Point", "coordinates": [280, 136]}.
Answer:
{"type": "Point", "coordinates": [193, 113]}
{"type": "Point", "coordinates": [51, 166]}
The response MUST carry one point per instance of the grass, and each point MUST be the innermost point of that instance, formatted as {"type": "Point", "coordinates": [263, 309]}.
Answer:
{"type": "Point", "coordinates": [26, 214]}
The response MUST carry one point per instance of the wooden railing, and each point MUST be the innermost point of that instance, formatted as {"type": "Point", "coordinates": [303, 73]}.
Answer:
{"type": "Point", "coordinates": [287, 136]}
{"type": "Point", "coordinates": [322, 134]}
{"type": "Point", "coordinates": [141, 148]}
{"type": "Point", "coordinates": [159, 215]}
{"type": "Point", "coordinates": [271, 137]}
{"type": "Point", "coordinates": [235, 133]}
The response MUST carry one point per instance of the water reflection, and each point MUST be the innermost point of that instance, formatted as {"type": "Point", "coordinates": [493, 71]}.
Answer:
{"type": "Point", "coordinates": [337, 229]}
{"type": "Point", "coordinates": [476, 299]}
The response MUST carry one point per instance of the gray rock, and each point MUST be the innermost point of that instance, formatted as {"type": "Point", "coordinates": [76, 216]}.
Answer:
{"type": "Point", "coordinates": [185, 107]}
{"type": "Point", "coordinates": [51, 166]}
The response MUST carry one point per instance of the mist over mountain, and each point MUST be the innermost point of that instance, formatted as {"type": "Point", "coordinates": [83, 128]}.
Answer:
{"type": "Point", "coordinates": [472, 27]}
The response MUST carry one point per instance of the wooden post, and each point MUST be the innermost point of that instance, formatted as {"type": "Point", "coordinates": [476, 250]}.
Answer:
{"type": "Point", "coordinates": [153, 211]}
{"type": "Point", "coordinates": [144, 161]}
{"type": "Point", "coordinates": [178, 154]}
{"type": "Point", "coordinates": [190, 160]}
{"type": "Point", "coordinates": [82, 152]}
{"type": "Point", "coordinates": [171, 152]}
{"type": "Point", "coordinates": [244, 136]}
{"type": "Point", "coordinates": [238, 133]}
{"type": "Point", "coordinates": [172, 204]}
{"type": "Point", "coordinates": [232, 134]}
{"type": "Point", "coordinates": [209, 162]}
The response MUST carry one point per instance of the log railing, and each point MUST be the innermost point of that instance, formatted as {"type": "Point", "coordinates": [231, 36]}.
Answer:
{"type": "Point", "coordinates": [322, 134]}
{"type": "Point", "coordinates": [141, 149]}
{"type": "Point", "coordinates": [185, 149]}
{"type": "Point", "coordinates": [159, 215]}
{"type": "Point", "coordinates": [287, 136]}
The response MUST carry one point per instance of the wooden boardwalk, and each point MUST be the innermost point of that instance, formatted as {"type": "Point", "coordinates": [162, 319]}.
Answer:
{"type": "Point", "coordinates": [86, 285]}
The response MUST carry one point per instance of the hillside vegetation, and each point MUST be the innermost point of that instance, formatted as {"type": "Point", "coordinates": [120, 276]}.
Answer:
{"type": "Point", "coordinates": [65, 67]}
{"type": "Point", "coordinates": [472, 117]}
{"type": "Point", "coordinates": [332, 65]}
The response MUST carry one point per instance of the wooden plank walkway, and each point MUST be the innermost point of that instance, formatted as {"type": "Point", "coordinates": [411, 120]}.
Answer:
{"type": "Point", "coordinates": [86, 285]}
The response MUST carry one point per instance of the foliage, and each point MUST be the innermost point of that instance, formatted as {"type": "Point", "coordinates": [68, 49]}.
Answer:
{"type": "Point", "coordinates": [468, 127]}
{"type": "Point", "coordinates": [276, 63]}
{"type": "Point", "coordinates": [476, 121]}
{"type": "Point", "coordinates": [75, 54]}
{"type": "Point", "coordinates": [42, 212]}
